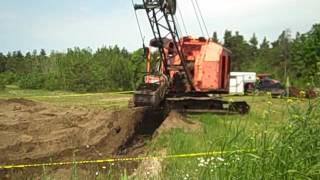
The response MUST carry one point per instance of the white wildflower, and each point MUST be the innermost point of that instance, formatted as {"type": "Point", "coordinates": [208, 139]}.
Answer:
{"type": "Point", "coordinates": [220, 159]}
{"type": "Point", "coordinates": [202, 161]}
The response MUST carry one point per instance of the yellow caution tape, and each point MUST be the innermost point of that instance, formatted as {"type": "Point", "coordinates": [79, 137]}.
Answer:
{"type": "Point", "coordinates": [112, 160]}
{"type": "Point", "coordinates": [82, 95]}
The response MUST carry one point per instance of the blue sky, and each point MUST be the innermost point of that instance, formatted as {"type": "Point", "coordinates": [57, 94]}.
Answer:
{"type": "Point", "coordinates": [60, 24]}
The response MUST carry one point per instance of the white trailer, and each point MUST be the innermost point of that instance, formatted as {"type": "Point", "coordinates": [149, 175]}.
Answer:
{"type": "Point", "coordinates": [238, 80]}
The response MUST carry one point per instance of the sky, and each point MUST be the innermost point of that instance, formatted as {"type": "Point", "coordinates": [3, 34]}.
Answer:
{"type": "Point", "coordinates": [60, 24]}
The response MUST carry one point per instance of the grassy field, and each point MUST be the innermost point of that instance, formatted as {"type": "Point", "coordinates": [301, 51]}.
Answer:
{"type": "Point", "coordinates": [109, 99]}
{"type": "Point", "coordinates": [279, 139]}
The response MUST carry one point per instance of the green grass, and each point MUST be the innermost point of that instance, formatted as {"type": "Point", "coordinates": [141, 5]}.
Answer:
{"type": "Point", "coordinates": [283, 137]}
{"type": "Point", "coordinates": [108, 99]}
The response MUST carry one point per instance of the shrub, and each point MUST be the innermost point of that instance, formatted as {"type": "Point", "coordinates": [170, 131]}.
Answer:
{"type": "Point", "coordinates": [52, 82]}
{"type": "Point", "coordinates": [8, 78]}
{"type": "Point", "coordinates": [31, 81]}
{"type": "Point", "coordinates": [2, 83]}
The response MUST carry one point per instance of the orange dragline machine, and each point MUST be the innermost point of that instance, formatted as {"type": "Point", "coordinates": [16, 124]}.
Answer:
{"type": "Point", "coordinates": [189, 72]}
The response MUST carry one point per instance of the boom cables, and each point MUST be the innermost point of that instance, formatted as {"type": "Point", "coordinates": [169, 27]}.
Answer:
{"type": "Point", "coordinates": [178, 26]}
{"type": "Point", "coordinates": [139, 26]}
{"type": "Point", "coordinates": [204, 23]}
{"type": "Point", "coordinates": [199, 17]}
{"type": "Point", "coordinates": [183, 23]}
{"type": "Point", "coordinates": [180, 21]}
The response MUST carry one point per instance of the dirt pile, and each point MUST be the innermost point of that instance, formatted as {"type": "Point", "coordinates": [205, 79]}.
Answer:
{"type": "Point", "coordinates": [176, 120]}
{"type": "Point", "coordinates": [32, 132]}
{"type": "Point", "coordinates": [298, 93]}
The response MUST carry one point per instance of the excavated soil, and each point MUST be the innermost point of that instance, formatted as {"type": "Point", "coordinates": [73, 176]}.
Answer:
{"type": "Point", "coordinates": [32, 132]}
{"type": "Point", "coordinates": [177, 120]}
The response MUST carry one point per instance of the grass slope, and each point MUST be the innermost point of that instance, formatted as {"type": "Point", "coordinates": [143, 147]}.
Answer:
{"type": "Point", "coordinates": [108, 99]}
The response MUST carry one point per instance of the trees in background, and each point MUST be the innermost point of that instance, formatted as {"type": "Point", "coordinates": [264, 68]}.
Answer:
{"type": "Point", "coordinates": [112, 68]}
{"type": "Point", "coordinates": [305, 56]}
{"type": "Point", "coordinates": [297, 58]}
{"type": "Point", "coordinates": [78, 69]}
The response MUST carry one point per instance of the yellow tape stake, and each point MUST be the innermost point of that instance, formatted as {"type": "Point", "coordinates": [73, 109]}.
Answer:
{"type": "Point", "coordinates": [112, 160]}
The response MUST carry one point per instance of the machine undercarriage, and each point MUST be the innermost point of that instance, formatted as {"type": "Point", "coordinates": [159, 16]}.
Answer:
{"type": "Point", "coordinates": [156, 96]}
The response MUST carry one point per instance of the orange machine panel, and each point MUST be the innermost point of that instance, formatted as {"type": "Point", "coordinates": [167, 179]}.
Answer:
{"type": "Point", "coordinates": [207, 61]}
{"type": "Point", "coordinates": [208, 68]}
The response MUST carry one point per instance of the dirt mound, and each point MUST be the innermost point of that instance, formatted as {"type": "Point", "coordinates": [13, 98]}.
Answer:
{"type": "Point", "coordinates": [176, 120]}
{"type": "Point", "coordinates": [21, 101]}
{"type": "Point", "coordinates": [309, 93]}
{"type": "Point", "coordinates": [32, 132]}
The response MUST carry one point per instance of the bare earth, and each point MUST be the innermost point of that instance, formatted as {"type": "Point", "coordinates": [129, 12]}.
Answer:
{"type": "Point", "coordinates": [36, 132]}
{"type": "Point", "coordinates": [33, 132]}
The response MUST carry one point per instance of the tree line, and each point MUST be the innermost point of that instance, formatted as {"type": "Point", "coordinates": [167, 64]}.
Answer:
{"type": "Point", "coordinates": [113, 68]}
{"type": "Point", "coordinates": [296, 58]}
{"type": "Point", "coordinates": [107, 69]}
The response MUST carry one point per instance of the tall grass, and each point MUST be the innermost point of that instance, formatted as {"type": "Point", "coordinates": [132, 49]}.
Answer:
{"type": "Point", "coordinates": [290, 150]}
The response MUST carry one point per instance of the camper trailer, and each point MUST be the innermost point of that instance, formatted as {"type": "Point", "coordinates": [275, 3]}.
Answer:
{"type": "Point", "coordinates": [242, 82]}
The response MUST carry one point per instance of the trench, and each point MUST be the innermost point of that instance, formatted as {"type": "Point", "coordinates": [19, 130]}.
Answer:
{"type": "Point", "coordinates": [136, 144]}
{"type": "Point", "coordinates": [151, 120]}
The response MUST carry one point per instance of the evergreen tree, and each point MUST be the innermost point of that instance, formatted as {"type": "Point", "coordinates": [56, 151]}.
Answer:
{"type": "Point", "coordinates": [305, 53]}
{"type": "Point", "coordinates": [215, 37]}
{"type": "Point", "coordinates": [2, 63]}
{"type": "Point", "coordinates": [265, 44]}
{"type": "Point", "coordinates": [254, 42]}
